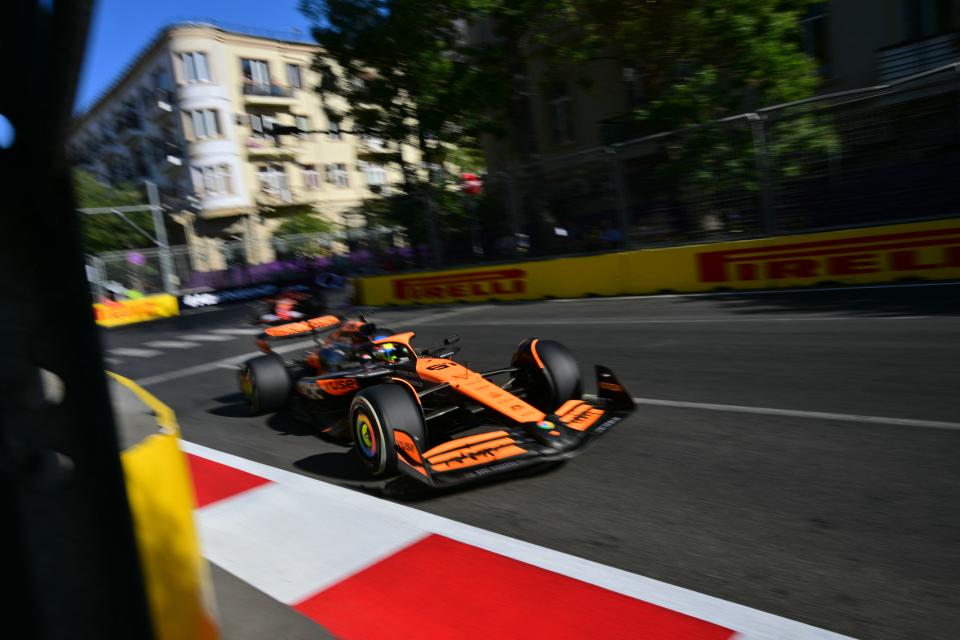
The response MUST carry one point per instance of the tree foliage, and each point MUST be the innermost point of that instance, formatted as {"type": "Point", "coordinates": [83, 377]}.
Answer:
{"type": "Point", "coordinates": [303, 223]}
{"type": "Point", "coordinates": [108, 232]}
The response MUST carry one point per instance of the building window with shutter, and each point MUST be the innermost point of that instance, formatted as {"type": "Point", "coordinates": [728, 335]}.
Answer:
{"type": "Point", "coordinates": [311, 179]}
{"type": "Point", "coordinates": [293, 76]}
{"type": "Point", "coordinates": [194, 68]}
{"type": "Point", "coordinates": [337, 175]}
{"type": "Point", "coordinates": [375, 174]}
{"type": "Point", "coordinates": [333, 130]}
{"type": "Point", "coordinates": [201, 124]}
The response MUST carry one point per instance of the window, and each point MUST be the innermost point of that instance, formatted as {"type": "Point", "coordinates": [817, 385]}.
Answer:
{"type": "Point", "coordinates": [925, 18]}
{"type": "Point", "coordinates": [337, 175]}
{"type": "Point", "coordinates": [194, 67]}
{"type": "Point", "coordinates": [561, 116]}
{"type": "Point", "coordinates": [333, 130]}
{"type": "Point", "coordinates": [201, 124]}
{"type": "Point", "coordinates": [261, 126]}
{"type": "Point", "coordinates": [273, 180]}
{"type": "Point", "coordinates": [212, 180]}
{"type": "Point", "coordinates": [293, 76]}
{"type": "Point", "coordinates": [255, 72]}
{"type": "Point", "coordinates": [372, 142]}
{"type": "Point", "coordinates": [303, 124]}
{"type": "Point", "coordinates": [311, 179]}
{"type": "Point", "coordinates": [375, 174]}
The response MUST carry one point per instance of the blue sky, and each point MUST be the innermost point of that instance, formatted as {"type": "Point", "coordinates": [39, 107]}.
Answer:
{"type": "Point", "coordinates": [121, 28]}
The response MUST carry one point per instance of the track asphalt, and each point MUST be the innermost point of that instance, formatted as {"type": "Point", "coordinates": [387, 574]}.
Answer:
{"type": "Point", "coordinates": [795, 452]}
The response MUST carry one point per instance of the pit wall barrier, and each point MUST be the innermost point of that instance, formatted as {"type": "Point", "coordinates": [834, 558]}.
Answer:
{"type": "Point", "coordinates": [160, 493]}
{"type": "Point", "coordinates": [138, 310]}
{"type": "Point", "coordinates": [921, 250]}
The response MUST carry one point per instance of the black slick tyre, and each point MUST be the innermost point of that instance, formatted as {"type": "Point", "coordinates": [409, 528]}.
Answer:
{"type": "Point", "coordinates": [548, 373]}
{"type": "Point", "coordinates": [265, 384]}
{"type": "Point", "coordinates": [374, 414]}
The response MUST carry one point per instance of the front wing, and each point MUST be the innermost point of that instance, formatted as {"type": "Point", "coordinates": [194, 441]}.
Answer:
{"type": "Point", "coordinates": [559, 436]}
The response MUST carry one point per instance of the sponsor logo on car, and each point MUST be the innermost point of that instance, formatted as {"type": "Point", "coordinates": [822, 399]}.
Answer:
{"type": "Point", "coordinates": [461, 285]}
{"type": "Point", "coordinates": [893, 252]}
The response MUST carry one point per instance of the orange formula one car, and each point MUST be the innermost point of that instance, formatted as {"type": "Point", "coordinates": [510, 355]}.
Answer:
{"type": "Point", "coordinates": [420, 413]}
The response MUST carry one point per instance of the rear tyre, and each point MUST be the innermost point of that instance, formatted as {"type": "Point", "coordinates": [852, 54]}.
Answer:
{"type": "Point", "coordinates": [547, 372]}
{"type": "Point", "coordinates": [374, 414]}
{"type": "Point", "coordinates": [265, 384]}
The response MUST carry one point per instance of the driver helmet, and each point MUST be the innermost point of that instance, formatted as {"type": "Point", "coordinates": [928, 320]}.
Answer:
{"type": "Point", "coordinates": [388, 352]}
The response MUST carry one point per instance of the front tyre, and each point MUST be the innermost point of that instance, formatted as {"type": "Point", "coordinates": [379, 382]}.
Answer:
{"type": "Point", "coordinates": [374, 414]}
{"type": "Point", "coordinates": [547, 372]}
{"type": "Point", "coordinates": [265, 384]}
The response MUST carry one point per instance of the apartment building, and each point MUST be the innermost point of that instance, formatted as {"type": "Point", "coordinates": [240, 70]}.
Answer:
{"type": "Point", "coordinates": [194, 113]}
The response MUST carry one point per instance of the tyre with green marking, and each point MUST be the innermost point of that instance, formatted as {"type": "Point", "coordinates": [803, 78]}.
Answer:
{"type": "Point", "coordinates": [374, 414]}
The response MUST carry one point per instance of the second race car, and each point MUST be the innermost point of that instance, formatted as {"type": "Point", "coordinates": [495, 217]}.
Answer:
{"type": "Point", "coordinates": [422, 414]}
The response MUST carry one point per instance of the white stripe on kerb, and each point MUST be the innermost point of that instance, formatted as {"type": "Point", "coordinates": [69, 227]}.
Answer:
{"type": "Point", "coordinates": [310, 509]}
{"type": "Point", "coordinates": [291, 541]}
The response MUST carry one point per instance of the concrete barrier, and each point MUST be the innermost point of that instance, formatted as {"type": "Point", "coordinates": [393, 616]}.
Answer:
{"type": "Point", "coordinates": [160, 492]}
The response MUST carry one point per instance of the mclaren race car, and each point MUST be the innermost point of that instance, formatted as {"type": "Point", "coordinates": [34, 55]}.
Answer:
{"type": "Point", "coordinates": [420, 413]}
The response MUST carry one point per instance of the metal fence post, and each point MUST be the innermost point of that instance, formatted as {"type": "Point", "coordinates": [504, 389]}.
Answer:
{"type": "Point", "coordinates": [620, 189]}
{"type": "Point", "coordinates": [513, 204]}
{"type": "Point", "coordinates": [758, 130]}
{"type": "Point", "coordinates": [160, 233]}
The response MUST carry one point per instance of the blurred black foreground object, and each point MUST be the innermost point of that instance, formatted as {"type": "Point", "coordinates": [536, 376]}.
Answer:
{"type": "Point", "coordinates": [70, 566]}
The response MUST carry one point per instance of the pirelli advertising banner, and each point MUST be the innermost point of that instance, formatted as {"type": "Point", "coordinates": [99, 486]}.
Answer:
{"type": "Point", "coordinates": [138, 310]}
{"type": "Point", "coordinates": [922, 250]}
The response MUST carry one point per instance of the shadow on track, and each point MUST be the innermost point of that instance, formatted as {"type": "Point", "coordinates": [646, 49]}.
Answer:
{"type": "Point", "coordinates": [338, 466]}
{"type": "Point", "coordinates": [939, 300]}
{"type": "Point", "coordinates": [405, 489]}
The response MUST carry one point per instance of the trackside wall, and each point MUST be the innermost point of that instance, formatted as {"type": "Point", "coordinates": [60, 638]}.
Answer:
{"type": "Point", "coordinates": [921, 250]}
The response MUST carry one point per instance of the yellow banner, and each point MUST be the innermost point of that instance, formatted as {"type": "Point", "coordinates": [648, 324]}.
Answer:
{"type": "Point", "coordinates": [139, 310]}
{"type": "Point", "coordinates": [922, 250]}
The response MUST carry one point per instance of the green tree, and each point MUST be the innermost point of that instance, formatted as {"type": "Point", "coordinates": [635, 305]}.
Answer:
{"type": "Point", "coordinates": [303, 223]}
{"type": "Point", "coordinates": [410, 77]}
{"type": "Point", "coordinates": [106, 231]}
{"type": "Point", "coordinates": [700, 61]}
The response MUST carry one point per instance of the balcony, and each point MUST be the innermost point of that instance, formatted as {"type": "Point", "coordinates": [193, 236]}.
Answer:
{"type": "Point", "coordinates": [279, 197]}
{"type": "Point", "coordinates": [263, 147]}
{"type": "Point", "coordinates": [908, 59]}
{"type": "Point", "coordinates": [163, 106]}
{"type": "Point", "coordinates": [267, 94]}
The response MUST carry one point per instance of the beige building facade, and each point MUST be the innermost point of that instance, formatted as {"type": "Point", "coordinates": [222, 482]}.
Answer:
{"type": "Point", "coordinates": [194, 113]}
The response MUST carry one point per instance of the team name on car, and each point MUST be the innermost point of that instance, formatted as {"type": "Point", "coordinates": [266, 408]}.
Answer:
{"type": "Point", "coordinates": [461, 285]}
{"type": "Point", "coordinates": [914, 251]}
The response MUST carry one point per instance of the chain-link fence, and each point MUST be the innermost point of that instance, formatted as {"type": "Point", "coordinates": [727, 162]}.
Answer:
{"type": "Point", "coordinates": [868, 157]}
{"type": "Point", "coordinates": [224, 265]}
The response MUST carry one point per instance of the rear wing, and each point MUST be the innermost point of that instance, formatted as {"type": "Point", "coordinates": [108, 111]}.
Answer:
{"type": "Point", "coordinates": [294, 329]}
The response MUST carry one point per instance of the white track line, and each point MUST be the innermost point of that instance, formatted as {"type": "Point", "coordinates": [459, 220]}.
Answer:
{"type": "Point", "coordinates": [207, 337]}
{"type": "Point", "coordinates": [239, 331]}
{"type": "Point", "coordinates": [170, 344]}
{"type": "Point", "coordinates": [336, 504]}
{"type": "Point", "coordinates": [795, 413]}
{"type": "Point", "coordinates": [755, 292]}
{"type": "Point", "coordinates": [134, 353]}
